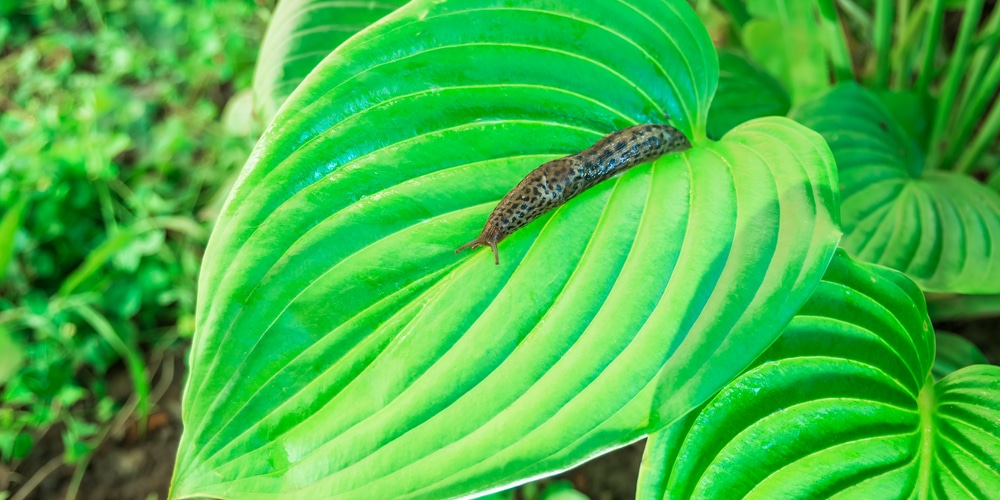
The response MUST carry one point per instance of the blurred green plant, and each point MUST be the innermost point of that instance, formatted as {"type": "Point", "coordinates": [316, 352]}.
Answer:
{"type": "Point", "coordinates": [115, 142]}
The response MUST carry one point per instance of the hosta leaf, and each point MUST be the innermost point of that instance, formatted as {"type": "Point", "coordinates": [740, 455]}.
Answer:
{"type": "Point", "coordinates": [842, 406]}
{"type": "Point", "coordinates": [344, 350]}
{"type": "Point", "coordinates": [745, 92]}
{"type": "Point", "coordinates": [300, 34]}
{"type": "Point", "coordinates": [913, 112]}
{"type": "Point", "coordinates": [941, 229]}
{"type": "Point", "coordinates": [966, 439]}
{"type": "Point", "coordinates": [954, 352]}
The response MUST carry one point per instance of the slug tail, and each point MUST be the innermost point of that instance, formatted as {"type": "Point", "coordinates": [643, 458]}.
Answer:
{"type": "Point", "coordinates": [489, 237]}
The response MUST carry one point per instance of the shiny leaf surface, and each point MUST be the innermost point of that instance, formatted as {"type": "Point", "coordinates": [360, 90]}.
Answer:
{"type": "Point", "coordinates": [300, 34]}
{"type": "Point", "coordinates": [842, 405]}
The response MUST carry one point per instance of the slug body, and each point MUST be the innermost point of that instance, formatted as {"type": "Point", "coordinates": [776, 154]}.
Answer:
{"type": "Point", "coordinates": [558, 181]}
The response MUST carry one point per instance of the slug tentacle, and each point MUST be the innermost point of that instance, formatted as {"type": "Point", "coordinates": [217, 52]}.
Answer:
{"type": "Point", "coordinates": [490, 236]}
{"type": "Point", "coordinates": [558, 181]}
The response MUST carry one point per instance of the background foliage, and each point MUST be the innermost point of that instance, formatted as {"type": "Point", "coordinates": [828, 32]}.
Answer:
{"type": "Point", "coordinates": [115, 143]}
{"type": "Point", "coordinates": [910, 114]}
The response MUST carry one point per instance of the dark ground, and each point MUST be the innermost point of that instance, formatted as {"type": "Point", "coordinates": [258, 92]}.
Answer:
{"type": "Point", "coordinates": [126, 466]}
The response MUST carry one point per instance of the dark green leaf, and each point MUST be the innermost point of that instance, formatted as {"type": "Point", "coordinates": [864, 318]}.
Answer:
{"type": "Point", "coordinates": [962, 307]}
{"type": "Point", "coordinates": [940, 228]}
{"type": "Point", "coordinates": [745, 92]}
{"type": "Point", "coordinates": [23, 443]}
{"type": "Point", "coordinates": [914, 113]}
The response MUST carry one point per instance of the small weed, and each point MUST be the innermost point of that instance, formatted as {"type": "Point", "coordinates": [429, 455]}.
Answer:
{"type": "Point", "coordinates": [113, 155]}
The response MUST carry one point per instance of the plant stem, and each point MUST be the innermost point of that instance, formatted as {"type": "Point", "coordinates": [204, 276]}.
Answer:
{"type": "Point", "coordinates": [37, 478]}
{"type": "Point", "coordinates": [905, 52]}
{"type": "Point", "coordinates": [836, 43]}
{"type": "Point", "coordinates": [985, 48]}
{"type": "Point", "coordinates": [882, 39]}
{"type": "Point", "coordinates": [858, 14]}
{"type": "Point", "coordinates": [74, 484]}
{"type": "Point", "coordinates": [987, 37]}
{"type": "Point", "coordinates": [942, 116]}
{"type": "Point", "coordinates": [982, 140]}
{"type": "Point", "coordinates": [971, 113]}
{"type": "Point", "coordinates": [932, 38]}
{"type": "Point", "coordinates": [107, 208]}
{"type": "Point", "coordinates": [902, 17]}
{"type": "Point", "coordinates": [981, 83]}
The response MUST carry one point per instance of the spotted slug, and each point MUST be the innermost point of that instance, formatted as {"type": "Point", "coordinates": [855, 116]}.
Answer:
{"type": "Point", "coordinates": [558, 181]}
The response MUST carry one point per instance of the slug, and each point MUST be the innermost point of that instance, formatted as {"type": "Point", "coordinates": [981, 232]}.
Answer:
{"type": "Point", "coordinates": [558, 181]}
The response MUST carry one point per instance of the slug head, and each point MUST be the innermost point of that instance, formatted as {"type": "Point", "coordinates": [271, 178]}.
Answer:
{"type": "Point", "coordinates": [489, 237]}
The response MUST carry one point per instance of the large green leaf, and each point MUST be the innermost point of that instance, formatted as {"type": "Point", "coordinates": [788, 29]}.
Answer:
{"type": "Point", "coordinates": [301, 33]}
{"type": "Point", "coordinates": [941, 229]}
{"type": "Point", "coordinates": [842, 405]}
{"type": "Point", "coordinates": [344, 350]}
